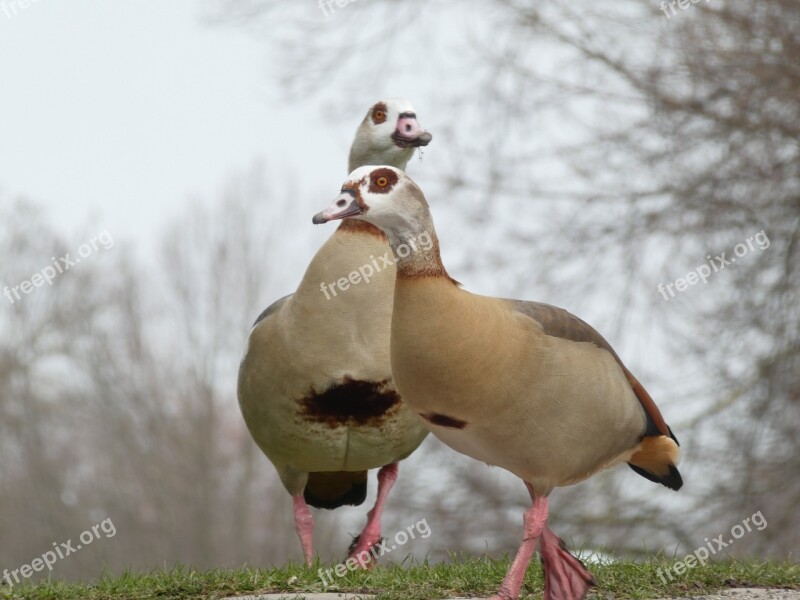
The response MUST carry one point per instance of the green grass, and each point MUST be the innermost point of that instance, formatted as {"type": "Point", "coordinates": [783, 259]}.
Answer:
{"type": "Point", "coordinates": [469, 577]}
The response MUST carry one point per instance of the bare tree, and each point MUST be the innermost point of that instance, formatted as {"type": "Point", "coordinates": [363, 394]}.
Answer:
{"type": "Point", "coordinates": [117, 392]}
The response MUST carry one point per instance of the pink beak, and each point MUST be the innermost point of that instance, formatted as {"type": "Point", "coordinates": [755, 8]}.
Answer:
{"type": "Point", "coordinates": [409, 134]}
{"type": "Point", "coordinates": [343, 206]}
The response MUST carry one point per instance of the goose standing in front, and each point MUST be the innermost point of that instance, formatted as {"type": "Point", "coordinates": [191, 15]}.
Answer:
{"type": "Point", "coordinates": [315, 385]}
{"type": "Point", "coordinates": [525, 386]}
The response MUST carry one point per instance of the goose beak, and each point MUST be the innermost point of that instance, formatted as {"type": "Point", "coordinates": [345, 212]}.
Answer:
{"type": "Point", "coordinates": [409, 134]}
{"type": "Point", "coordinates": [343, 206]}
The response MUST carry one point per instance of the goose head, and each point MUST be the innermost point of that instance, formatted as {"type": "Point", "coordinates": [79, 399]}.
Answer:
{"type": "Point", "coordinates": [383, 196]}
{"type": "Point", "coordinates": [388, 135]}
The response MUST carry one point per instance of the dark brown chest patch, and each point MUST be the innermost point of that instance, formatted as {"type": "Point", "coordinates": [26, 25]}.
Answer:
{"type": "Point", "coordinates": [443, 420]}
{"type": "Point", "coordinates": [351, 402]}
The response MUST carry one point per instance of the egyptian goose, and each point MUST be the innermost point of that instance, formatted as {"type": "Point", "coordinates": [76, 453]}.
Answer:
{"type": "Point", "coordinates": [525, 386]}
{"type": "Point", "coordinates": [315, 385]}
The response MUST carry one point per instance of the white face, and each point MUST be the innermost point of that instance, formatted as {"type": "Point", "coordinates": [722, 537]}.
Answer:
{"type": "Point", "coordinates": [392, 124]}
{"type": "Point", "coordinates": [371, 193]}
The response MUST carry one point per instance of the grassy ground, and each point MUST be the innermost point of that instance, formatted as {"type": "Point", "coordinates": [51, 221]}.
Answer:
{"type": "Point", "coordinates": [418, 582]}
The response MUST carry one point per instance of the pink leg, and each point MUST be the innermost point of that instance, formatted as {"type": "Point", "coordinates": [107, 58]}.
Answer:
{"type": "Point", "coordinates": [304, 524]}
{"type": "Point", "coordinates": [371, 534]}
{"type": "Point", "coordinates": [565, 577]}
{"type": "Point", "coordinates": [533, 525]}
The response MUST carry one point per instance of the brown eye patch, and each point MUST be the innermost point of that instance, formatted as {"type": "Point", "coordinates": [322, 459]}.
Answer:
{"type": "Point", "coordinates": [379, 112]}
{"type": "Point", "coordinates": [382, 180]}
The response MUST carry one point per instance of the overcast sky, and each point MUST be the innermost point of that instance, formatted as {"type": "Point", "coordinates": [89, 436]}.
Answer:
{"type": "Point", "coordinates": [115, 113]}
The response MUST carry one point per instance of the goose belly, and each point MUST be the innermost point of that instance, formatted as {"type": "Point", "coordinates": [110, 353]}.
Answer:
{"type": "Point", "coordinates": [546, 428]}
{"type": "Point", "coordinates": [347, 422]}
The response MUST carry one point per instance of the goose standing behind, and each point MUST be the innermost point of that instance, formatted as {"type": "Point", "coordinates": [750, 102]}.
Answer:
{"type": "Point", "coordinates": [315, 386]}
{"type": "Point", "coordinates": [525, 386]}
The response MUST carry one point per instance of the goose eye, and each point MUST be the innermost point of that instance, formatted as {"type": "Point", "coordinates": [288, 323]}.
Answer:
{"type": "Point", "coordinates": [381, 180]}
